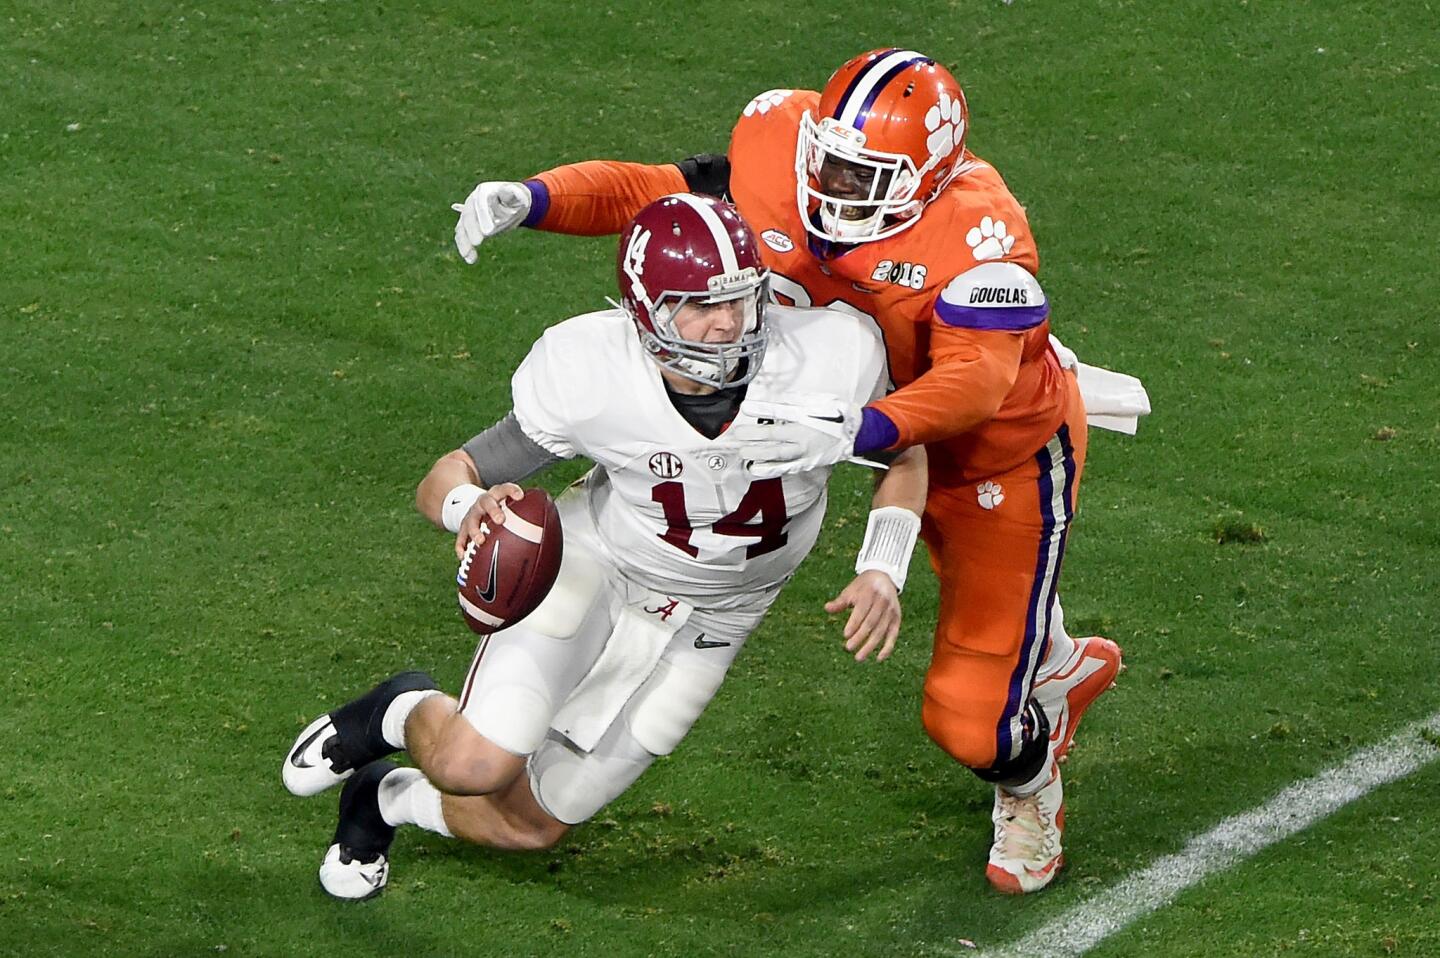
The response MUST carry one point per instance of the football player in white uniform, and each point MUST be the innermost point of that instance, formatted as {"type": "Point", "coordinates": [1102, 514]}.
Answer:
{"type": "Point", "coordinates": [673, 552]}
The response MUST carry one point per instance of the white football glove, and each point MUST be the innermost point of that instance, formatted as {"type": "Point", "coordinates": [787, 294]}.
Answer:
{"type": "Point", "coordinates": [807, 432]}
{"type": "Point", "coordinates": [491, 208]}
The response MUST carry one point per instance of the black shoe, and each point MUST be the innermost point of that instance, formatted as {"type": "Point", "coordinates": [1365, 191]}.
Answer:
{"type": "Point", "coordinates": [356, 865]}
{"type": "Point", "coordinates": [337, 743]}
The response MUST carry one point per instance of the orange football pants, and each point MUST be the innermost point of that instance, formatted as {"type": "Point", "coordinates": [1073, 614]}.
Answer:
{"type": "Point", "coordinates": [999, 568]}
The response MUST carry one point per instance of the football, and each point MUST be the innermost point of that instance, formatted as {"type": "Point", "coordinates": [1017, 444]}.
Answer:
{"type": "Point", "coordinates": [503, 580]}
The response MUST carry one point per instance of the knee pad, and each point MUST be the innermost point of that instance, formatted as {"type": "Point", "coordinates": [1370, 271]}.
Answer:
{"type": "Point", "coordinates": [1032, 755]}
{"type": "Point", "coordinates": [667, 705]}
{"type": "Point", "coordinates": [561, 785]}
{"type": "Point", "coordinates": [571, 786]}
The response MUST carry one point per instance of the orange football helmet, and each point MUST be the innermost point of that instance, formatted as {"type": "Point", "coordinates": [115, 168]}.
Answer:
{"type": "Point", "coordinates": [889, 137]}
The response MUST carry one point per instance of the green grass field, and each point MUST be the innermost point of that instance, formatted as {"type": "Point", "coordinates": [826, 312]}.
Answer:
{"type": "Point", "coordinates": [234, 334]}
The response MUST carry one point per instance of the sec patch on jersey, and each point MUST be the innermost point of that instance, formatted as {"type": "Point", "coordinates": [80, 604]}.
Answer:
{"type": "Point", "coordinates": [504, 579]}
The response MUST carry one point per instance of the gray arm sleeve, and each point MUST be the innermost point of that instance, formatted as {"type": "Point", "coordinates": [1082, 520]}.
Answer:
{"type": "Point", "coordinates": [503, 453]}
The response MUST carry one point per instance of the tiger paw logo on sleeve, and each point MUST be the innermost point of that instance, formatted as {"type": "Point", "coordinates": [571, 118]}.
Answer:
{"type": "Point", "coordinates": [989, 240]}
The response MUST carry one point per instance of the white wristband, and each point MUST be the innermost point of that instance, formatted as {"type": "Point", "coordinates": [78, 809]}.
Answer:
{"type": "Point", "coordinates": [457, 503]}
{"type": "Point", "coordinates": [889, 539]}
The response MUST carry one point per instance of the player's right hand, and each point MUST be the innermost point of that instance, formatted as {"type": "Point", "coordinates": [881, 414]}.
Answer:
{"type": "Point", "coordinates": [874, 622]}
{"type": "Point", "coordinates": [797, 434]}
{"type": "Point", "coordinates": [492, 207]}
{"type": "Point", "coordinates": [484, 514]}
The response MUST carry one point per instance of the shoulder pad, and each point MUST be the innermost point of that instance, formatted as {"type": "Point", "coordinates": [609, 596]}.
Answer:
{"type": "Point", "coordinates": [766, 102]}
{"type": "Point", "coordinates": [568, 356]}
{"type": "Point", "coordinates": [767, 128]}
{"type": "Point", "coordinates": [1002, 296]}
{"type": "Point", "coordinates": [776, 109]}
{"type": "Point", "coordinates": [830, 325]}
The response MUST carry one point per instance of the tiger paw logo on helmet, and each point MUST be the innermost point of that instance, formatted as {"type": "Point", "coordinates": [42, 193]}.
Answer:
{"type": "Point", "coordinates": [989, 494]}
{"type": "Point", "coordinates": [989, 240]}
{"type": "Point", "coordinates": [766, 102]}
{"type": "Point", "coordinates": [946, 123]}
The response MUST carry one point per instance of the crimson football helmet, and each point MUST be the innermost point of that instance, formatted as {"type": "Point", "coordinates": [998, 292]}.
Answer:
{"type": "Point", "coordinates": [890, 133]}
{"type": "Point", "coordinates": [686, 248]}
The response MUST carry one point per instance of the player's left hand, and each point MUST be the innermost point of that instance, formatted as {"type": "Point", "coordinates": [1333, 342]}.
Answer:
{"type": "Point", "coordinates": [874, 622]}
{"type": "Point", "coordinates": [803, 433]}
{"type": "Point", "coordinates": [491, 208]}
{"type": "Point", "coordinates": [485, 514]}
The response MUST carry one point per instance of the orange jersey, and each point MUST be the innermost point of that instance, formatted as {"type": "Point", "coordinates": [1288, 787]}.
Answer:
{"type": "Point", "coordinates": [983, 399]}
{"type": "Point", "coordinates": [598, 197]}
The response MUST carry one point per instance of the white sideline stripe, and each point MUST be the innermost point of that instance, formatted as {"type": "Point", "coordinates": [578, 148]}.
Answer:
{"type": "Point", "coordinates": [1297, 807]}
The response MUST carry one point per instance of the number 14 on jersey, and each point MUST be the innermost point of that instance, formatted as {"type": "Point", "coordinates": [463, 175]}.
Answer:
{"type": "Point", "coordinates": [760, 515]}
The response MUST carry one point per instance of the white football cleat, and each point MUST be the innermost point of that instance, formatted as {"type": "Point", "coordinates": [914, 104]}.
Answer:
{"type": "Point", "coordinates": [307, 769]}
{"type": "Point", "coordinates": [357, 864]}
{"type": "Point", "coordinates": [337, 743]}
{"type": "Point", "coordinates": [345, 876]}
{"type": "Point", "coordinates": [1027, 853]}
{"type": "Point", "coordinates": [1065, 695]}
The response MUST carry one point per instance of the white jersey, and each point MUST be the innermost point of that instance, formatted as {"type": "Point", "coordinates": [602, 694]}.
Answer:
{"type": "Point", "coordinates": [677, 512]}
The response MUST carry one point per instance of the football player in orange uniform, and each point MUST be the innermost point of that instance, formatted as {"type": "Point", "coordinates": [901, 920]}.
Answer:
{"type": "Point", "coordinates": [867, 200]}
